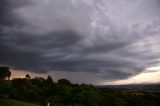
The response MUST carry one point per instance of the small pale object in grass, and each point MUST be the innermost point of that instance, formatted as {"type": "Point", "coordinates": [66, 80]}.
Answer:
{"type": "Point", "coordinates": [48, 104]}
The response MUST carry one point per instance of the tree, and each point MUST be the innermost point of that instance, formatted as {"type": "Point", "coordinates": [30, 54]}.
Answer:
{"type": "Point", "coordinates": [49, 80]}
{"type": "Point", "coordinates": [28, 76]}
{"type": "Point", "coordinates": [5, 72]}
{"type": "Point", "coordinates": [64, 82]}
{"type": "Point", "coordinates": [24, 86]}
{"type": "Point", "coordinates": [38, 81]}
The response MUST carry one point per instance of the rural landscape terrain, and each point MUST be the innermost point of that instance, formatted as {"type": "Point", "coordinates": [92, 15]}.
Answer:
{"type": "Point", "coordinates": [39, 92]}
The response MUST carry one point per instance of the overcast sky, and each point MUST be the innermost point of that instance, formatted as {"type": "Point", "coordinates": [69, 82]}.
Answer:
{"type": "Point", "coordinates": [90, 41]}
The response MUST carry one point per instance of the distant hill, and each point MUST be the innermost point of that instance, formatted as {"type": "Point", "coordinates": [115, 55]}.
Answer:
{"type": "Point", "coordinates": [149, 87]}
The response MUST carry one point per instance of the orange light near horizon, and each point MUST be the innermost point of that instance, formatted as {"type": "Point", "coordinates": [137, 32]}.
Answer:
{"type": "Point", "coordinates": [148, 76]}
{"type": "Point", "coordinates": [144, 77]}
{"type": "Point", "coordinates": [22, 74]}
{"type": "Point", "coordinates": [17, 74]}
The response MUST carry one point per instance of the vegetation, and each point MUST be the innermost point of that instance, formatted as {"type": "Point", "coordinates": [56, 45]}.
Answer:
{"type": "Point", "coordinates": [63, 93]}
{"type": "Point", "coordinates": [6, 102]}
{"type": "Point", "coordinates": [4, 73]}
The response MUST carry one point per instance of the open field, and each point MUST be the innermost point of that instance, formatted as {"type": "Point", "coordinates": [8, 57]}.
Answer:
{"type": "Point", "coordinates": [8, 102]}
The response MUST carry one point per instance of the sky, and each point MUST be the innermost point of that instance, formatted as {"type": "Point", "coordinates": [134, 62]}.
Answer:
{"type": "Point", "coordinates": [85, 41]}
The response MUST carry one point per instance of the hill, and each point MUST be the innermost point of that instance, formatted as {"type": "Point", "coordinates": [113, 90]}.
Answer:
{"type": "Point", "coordinates": [133, 87]}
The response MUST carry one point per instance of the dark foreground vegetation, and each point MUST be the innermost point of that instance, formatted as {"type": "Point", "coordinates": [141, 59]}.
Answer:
{"type": "Point", "coordinates": [63, 93]}
{"type": "Point", "coordinates": [9, 102]}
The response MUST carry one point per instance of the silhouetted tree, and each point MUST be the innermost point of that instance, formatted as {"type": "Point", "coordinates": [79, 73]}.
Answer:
{"type": "Point", "coordinates": [5, 72]}
{"type": "Point", "coordinates": [64, 82]}
{"type": "Point", "coordinates": [28, 76]}
{"type": "Point", "coordinates": [38, 81]}
{"type": "Point", "coordinates": [49, 80]}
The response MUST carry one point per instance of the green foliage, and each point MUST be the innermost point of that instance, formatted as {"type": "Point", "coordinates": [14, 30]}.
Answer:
{"type": "Point", "coordinates": [5, 87]}
{"type": "Point", "coordinates": [49, 80]}
{"type": "Point", "coordinates": [64, 93]}
{"type": "Point", "coordinates": [38, 81]}
{"type": "Point", "coordinates": [5, 102]}
{"type": "Point", "coordinates": [64, 82]}
{"type": "Point", "coordinates": [4, 73]}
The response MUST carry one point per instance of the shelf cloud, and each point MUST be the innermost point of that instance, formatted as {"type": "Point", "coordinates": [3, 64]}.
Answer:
{"type": "Point", "coordinates": [112, 39]}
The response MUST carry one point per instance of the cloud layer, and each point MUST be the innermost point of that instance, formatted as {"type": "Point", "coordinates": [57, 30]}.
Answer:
{"type": "Point", "coordinates": [113, 39]}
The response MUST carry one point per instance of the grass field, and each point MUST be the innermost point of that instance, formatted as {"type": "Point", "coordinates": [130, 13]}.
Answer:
{"type": "Point", "coordinates": [8, 102]}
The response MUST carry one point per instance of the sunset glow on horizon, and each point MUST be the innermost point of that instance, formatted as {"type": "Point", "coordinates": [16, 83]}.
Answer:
{"type": "Point", "coordinates": [147, 77]}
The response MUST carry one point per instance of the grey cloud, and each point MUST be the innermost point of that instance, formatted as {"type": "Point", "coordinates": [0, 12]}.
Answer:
{"type": "Point", "coordinates": [8, 15]}
{"type": "Point", "coordinates": [63, 37]}
{"type": "Point", "coordinates": [26, 51]}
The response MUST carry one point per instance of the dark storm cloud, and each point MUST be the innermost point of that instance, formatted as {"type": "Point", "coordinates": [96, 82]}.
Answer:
{"type": "Point", "coordinates": [25, 51]}
{"type": "Point", "coordinates": [7, 13]}
{"type": "Point", "coordinates": [61, 36]}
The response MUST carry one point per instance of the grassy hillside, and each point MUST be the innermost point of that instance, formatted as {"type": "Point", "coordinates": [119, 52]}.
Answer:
{"type": "Point", "coordinates": [6, 102]}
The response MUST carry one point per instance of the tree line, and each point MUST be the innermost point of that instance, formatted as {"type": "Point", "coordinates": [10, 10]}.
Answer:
{"type": "Point", "coordinates": [64, 93]}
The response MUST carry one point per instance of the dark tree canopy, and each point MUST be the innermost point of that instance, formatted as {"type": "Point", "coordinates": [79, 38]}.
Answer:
{"type": "Point", "coordinates": [5, 72]}
{"type": "Point", "coordinates": [49, 80]}
{"type": "Point", "coordinates": [64, 82]}
{"type": "Point", "coordinates": [28, 76]}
